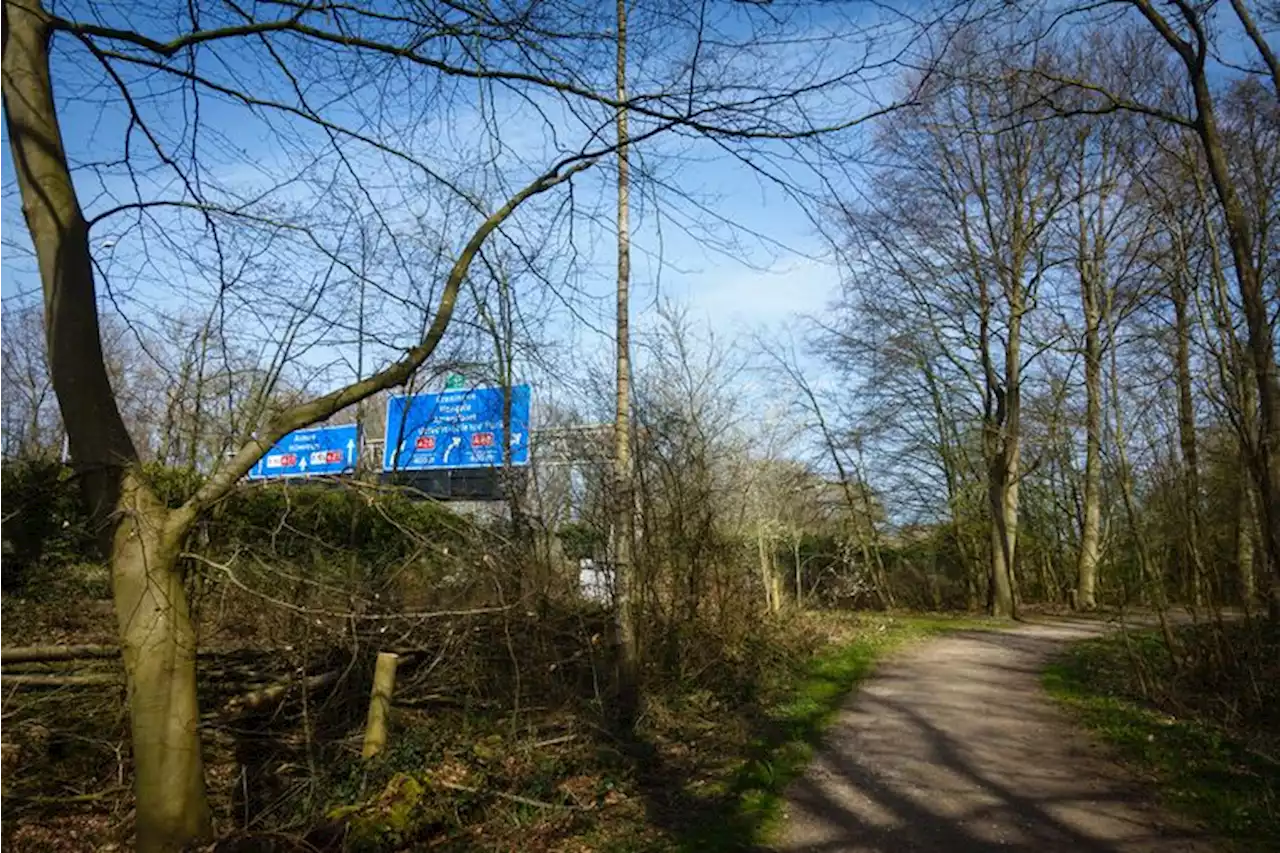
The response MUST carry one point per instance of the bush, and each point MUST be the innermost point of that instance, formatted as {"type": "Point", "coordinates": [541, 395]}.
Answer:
{"type": "Point", "coordinates": [581, 540]}
{"type": "Point", "coordinates": [45, 523]}
{"type": "Point", "coordinates": [45, 526]}
{"type": "Point", "coordinates": [300, 522]}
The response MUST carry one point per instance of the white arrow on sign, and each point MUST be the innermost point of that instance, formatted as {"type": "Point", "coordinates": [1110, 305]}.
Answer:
{"type": "Point", "coordinates": [455, 443]}
{"type": "Point", "coordinates": [516, 436]}
{"type": "Point", "coordinates": [351, 449]}
{"type": "Point", "coordinates": [303, 464]}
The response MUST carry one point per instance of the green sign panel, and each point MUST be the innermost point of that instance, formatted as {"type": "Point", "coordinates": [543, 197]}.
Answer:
{"type": "Point", "coordinates": [454, 382]}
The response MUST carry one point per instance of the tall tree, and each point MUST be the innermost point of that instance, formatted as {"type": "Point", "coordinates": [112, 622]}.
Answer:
{"type": "Point", "coordinates": [1191, 32]}
{"type": "Point", "coordinates": [966, 235]}
{"type": "Point", "coordinates": [624, 524]}
{"type": "Point", "coordinates": [1109, 231]}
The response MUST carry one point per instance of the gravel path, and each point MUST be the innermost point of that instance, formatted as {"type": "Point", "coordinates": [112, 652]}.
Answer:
{"type": "Point", "coordinates": [953, 747]}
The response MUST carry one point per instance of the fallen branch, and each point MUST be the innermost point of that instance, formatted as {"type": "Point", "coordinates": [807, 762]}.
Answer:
{"type": "Point", "coordinates": [63, 680]}
{"type": "Point", "coordinates": [267, 696]}
{"type": "Point", "coordinates": [71, 799]}
{"type": "Point", "coordinates": [17, 655]}
{"type": "Point", "coordinates": [42, 654]}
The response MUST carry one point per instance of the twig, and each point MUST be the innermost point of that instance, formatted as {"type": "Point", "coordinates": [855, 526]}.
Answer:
{"type": "Point", "coordinates": [70, 800]}
{"type": "Point", "coordinates": [316, 611]}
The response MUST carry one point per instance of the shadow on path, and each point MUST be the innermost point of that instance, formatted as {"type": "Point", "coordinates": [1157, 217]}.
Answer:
{"type": "Point", "coordinates": [953, 747]}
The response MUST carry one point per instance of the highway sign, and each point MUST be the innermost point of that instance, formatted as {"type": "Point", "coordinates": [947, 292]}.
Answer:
{"type": "Point", "coordinates": [315, 451]}
{"type": "Point", "coordinates": [455, 429]}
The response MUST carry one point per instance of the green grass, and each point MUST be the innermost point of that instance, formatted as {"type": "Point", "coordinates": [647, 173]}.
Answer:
{"type": "Point", "coordinates": [1200, 770]}
{"type": "Point", "coordinates": [796, 724]}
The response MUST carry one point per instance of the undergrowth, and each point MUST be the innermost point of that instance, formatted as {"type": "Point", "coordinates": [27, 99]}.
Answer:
{"type": "Point", "coordinates": [1182, 728]}
{"type": "Point", "coordinates": [501, 733]}
{"type": "Point", "coordinates": [706, 771]}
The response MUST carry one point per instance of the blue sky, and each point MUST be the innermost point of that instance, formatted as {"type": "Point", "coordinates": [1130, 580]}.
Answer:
{"type": "Point", "coordinates": [741, 255]}
{"type": "Point", "coordinates": [729, 277]}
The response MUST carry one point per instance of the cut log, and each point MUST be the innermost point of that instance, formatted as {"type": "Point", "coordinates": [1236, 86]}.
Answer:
{"type": "Point", "coordinates": [384, 684]}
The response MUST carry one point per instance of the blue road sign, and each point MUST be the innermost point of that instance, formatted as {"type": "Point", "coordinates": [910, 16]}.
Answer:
{"type": "Point", "coordinates": [460, 428]}
{"type": "Point", "coordinates": [315, 451]}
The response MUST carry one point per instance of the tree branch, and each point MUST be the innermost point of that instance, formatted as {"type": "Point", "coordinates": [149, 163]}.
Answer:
{"type": "Point", "coordinates": [397, 374]}
{"type": "Point", "coordinates": [760, 106]}
{"type": "Point", "coordinates": [1259, 41]}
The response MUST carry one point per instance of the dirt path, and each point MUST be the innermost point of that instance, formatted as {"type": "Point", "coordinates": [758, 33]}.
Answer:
{"type": "Point", "coordinates": [955, 748]}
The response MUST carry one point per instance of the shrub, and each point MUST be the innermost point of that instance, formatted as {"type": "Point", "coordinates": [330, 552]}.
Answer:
{"type": "Point", "coordinates": [45, 526]}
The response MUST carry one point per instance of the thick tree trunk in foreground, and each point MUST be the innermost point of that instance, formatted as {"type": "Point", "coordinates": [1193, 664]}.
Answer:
{"type": "Point", "coordinates": [145, 538]}
{"type": "Point", "coordinates": [159, 646]}
{"type": "Point", "coordinates": [156, 637]}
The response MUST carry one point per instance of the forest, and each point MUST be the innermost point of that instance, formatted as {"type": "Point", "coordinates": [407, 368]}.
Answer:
{"type": "Point", "coordinates": [852, 331]}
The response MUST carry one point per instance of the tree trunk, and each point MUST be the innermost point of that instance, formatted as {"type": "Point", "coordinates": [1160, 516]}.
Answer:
{"type": "Point", "coordinates": [766, 571]}
{"type": "Point", "coordinates": [156, 636]}
{"type": "Point", "coordinates": [953, 476]}
{"type": "Point", "coordinates": [795, 550]}
{"type": "Point", "coordinates": [1151, 581]}
{"type": "Point", "coordinates": [999, 493]}
{"type": "Point", "coordinates": [1048, 589]}
{"type": "Point", "coordinates": [884, 590]}
{"type": "Point", "coordinates": [1091, 528]}
{"type": "Point", "coordinates": [999, 442]}
{"type": "Point", "coordinates": [99, 445]}
{"type": "Point", "coordinates": [1192, 564]}
{"type": "Point", "coordinates": [1005, 464]}
{"type": "Point", "coordinates": [624, 568]}
{"type": "Point", "coordinates": [972, 580]}
{"type": "Point", "coordinates": [158, 644]}
{"type": "Point", "coordinates": [1246, 525]}
{"type": "Point", "coordinates": [1257, 319]}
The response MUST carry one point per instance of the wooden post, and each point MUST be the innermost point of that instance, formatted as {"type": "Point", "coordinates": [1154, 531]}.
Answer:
{"type": "Point", "coordinates": [384, 683]}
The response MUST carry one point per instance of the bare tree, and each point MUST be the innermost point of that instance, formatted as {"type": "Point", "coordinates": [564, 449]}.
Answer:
{"type": "Point", "coordinates": [1190, 32]}
{"type": "Point", "coordinates": [31, 424]}
{"type": "Point", "coordinates": [998, 191]}
{"type": "Point", "coordinates": [1110, 233]}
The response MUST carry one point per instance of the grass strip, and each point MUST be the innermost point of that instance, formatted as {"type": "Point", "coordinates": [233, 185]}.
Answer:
{"type": "Point", "coordinates": [1201, 771]}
